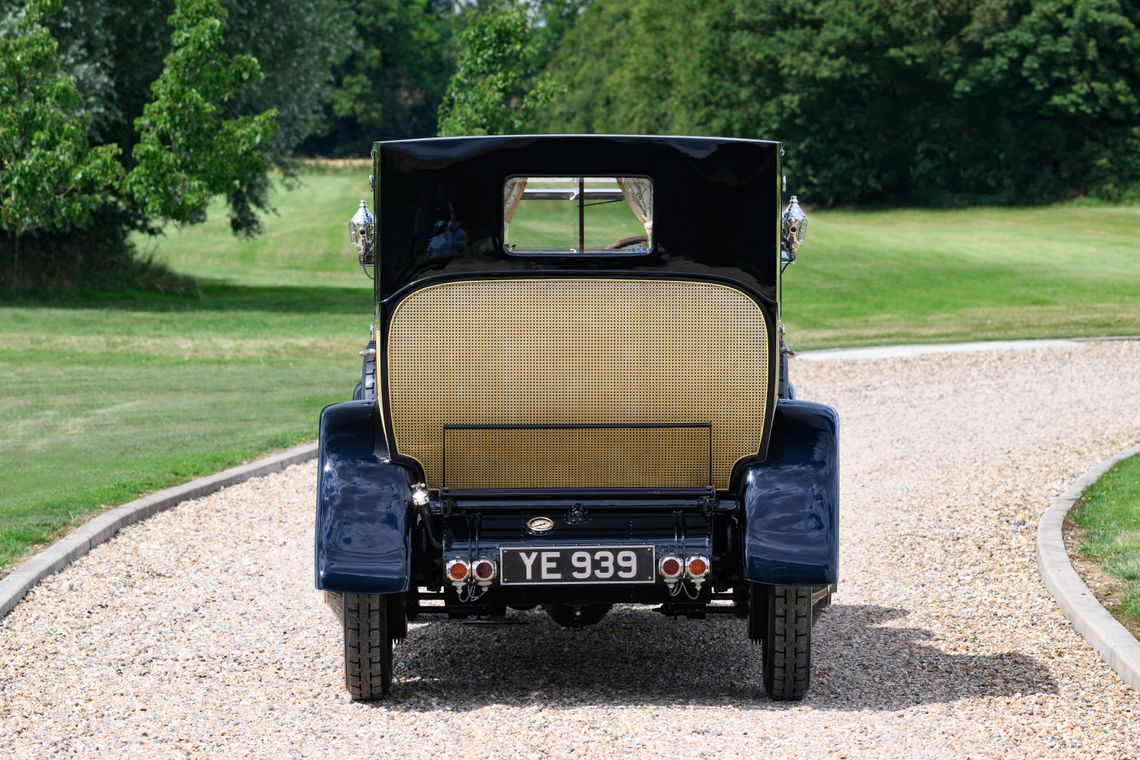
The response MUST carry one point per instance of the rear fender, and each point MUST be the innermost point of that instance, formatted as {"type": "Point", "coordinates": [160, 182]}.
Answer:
{"type": "Point", "coordinates": [363, 542]}
{"type": "Point", "coordinates": [791, 500]}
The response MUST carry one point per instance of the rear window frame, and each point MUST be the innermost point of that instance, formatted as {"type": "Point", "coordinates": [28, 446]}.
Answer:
{"type": "Point", "coordinates": [545, 253]}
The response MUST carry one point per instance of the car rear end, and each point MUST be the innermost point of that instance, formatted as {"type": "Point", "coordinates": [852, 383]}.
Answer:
{"type": "Point", "coordinates": [576, 408]}
{"type": "Point", "coordinates": [577, 437]}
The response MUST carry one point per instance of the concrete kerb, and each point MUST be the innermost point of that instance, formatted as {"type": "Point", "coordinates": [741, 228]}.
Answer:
{"type": "Point", "coordinates": [922, 349]}
{"type": "Point", "coordinates": [1108, 637]}
{"type": "Point", "coordinates": [95, 531]}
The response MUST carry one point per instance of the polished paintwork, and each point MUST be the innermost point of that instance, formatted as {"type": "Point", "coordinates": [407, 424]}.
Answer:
{"type": "Point", "coordinates": [791, 501]}
{"type": "Point", "coordinates": [716, 207]}
{"type": "Point", "coordinates": [716, 217]}
{"type": "Point", "coordinates": [363, 525]}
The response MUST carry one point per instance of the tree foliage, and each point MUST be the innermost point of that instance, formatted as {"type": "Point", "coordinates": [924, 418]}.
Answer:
{"type": "Point", "coordinates": [207, 127]}
{"type": "Point", "coordinates": [497, 87]}
{"type": "Point", "coordinates": [391, 82]}
{"type": "Point", "coordinates": [50, 177]}
{"type": "Point", "coordinates": [923, 101]}
{"type": "Point", "coordinates": [188, 151]}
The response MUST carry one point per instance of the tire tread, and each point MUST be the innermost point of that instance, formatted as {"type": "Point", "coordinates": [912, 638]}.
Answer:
{"type": "Point", "coordinates": [367, 646]}
{"type": "Point", "coordinates": [787, 647]}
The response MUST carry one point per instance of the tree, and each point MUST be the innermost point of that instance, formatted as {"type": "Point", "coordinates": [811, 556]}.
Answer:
{"type": "Point", "coordinates": [497, 87]}
{"type": "Point", "coordinates": [50, 177]}
{"type": "Point", "coordinates": [879, 101]}
{"type": "Point", "coordinates": [390, 85]}
{"type": "Point", "coordinates": [188, 152]}
{"type": "Point", "coordinates": [115, 50]}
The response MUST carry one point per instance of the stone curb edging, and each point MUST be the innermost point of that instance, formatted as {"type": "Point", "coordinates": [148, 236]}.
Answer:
{"type": "Point", "coordinates": [102, 527]}
{"type": "Point", "coordinates": [1108, 637]}
{"type": "Point", "coordinates": [908, 351]}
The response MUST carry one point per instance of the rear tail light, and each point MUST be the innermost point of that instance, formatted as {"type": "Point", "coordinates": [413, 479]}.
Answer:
{"type": "Point", "coordinates": [458, 571]}
{"type": "Point", "coordinates": [484, 571]}
{"type": "Point", "coordinates": [671, 568]}
{"type": "Point", "coordinates": [697, 567]}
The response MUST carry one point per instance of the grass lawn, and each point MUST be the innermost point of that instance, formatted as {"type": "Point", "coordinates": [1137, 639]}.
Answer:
{"type": "Point", "coordinates": [107, 396]}
{"type": "Point", "coordinates": [1109, 519]}
{"type": "Point", "coordinates": [923, 276]}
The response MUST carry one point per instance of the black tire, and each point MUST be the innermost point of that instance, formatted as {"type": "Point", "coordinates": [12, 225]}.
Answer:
{"type": "Point", "coordinates": [367, 646]}
{"type": "Point", "coordinates": [787, 642]}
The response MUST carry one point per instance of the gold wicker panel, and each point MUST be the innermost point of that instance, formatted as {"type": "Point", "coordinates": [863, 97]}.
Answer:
{"type": "Point", "coordinates": [584, 350]}
{"type": "Point", "coordinates": [614, 457]}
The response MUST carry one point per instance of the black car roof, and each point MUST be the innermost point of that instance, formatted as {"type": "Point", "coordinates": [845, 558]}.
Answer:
{"type": "Point", "coordinates": [716, 205]}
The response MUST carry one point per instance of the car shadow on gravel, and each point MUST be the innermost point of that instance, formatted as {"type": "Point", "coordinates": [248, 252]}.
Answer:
{"type": "Point", "coordinates": [864, 657]}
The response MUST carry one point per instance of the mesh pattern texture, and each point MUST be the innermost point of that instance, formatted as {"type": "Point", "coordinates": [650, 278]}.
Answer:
{"type": "Point", "coordinates": [573, 351]}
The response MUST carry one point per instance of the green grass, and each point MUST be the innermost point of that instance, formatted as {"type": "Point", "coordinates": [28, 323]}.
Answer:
{"type": "Point", "coordinates": [305, 242]}
{"type": "Point", "coordinates": [553, 225]}
{"type": "Point", "coordinates": [979, 274]}
{"type": "Point", "coordinates": [1109, 518]}
{"type": "Point", "coordinates": [109, 395]}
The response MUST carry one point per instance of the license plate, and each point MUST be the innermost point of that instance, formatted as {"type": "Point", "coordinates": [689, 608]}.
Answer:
{"type": "Point", "coordinates": [551, 565]}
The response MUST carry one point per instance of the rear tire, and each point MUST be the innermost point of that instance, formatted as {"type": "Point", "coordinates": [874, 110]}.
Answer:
{"type": "Point", "coordinates": [368, 634]}
{"type": "Point", "coordinates": [787, 642]}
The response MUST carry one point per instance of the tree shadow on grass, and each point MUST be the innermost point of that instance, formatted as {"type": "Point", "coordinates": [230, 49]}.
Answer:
{"type": "Point", "coordinates": [216, 296]}
{"type": "Point", "coordinates": [861, 660]}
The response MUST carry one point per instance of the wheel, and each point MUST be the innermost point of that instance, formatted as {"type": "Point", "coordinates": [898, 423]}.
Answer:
{"type": "Point", "coordinates": [369, 630]}
{"type": "Point", "coordinates": [787, 642]}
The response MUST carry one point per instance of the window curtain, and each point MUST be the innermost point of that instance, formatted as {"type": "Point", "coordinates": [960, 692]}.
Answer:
{"type": "Point", "coordinates": [638, 193]}
{"type": "Point", "coordinates": [512, 196]}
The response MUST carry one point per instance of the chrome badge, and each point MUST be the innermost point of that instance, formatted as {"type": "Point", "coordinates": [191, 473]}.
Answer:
{"type": "Point", "coordinates": [539, 525]}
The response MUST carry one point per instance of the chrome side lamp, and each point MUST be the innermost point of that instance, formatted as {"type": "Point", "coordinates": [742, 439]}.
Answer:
{"type": "Point", "coordinates": [793, 229]}
{"type": "Point", "coordinates": [362, 233]}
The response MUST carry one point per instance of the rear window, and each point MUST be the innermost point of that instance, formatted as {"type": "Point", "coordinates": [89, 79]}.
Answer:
{"type": "Point", "coordinates": [578, 215]}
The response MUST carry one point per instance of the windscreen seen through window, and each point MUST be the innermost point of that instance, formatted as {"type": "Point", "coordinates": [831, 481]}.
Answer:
{"type": "Point", "coordinates": [578, 215]}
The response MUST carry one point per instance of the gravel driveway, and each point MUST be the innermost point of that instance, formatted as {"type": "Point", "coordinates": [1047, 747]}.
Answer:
{"type": "Point", "coordinates": [199, 632]}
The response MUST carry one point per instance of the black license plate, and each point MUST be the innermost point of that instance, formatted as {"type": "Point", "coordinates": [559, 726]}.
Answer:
{"type": "Point", "coordinates": [550, 565]}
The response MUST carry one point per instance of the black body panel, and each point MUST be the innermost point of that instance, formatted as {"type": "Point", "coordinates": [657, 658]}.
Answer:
{"type": "Point", "coordinates": [716, 206]}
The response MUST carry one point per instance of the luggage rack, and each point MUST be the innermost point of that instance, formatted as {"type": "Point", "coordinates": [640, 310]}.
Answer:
{"type": "Point", "coordinates": [703, 492]}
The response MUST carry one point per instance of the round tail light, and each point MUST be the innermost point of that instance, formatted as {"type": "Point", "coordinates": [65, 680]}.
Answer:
{"type": "Point", "coordinates": [698, 566]}
{"type": "Point", "coordinates": [484, 570]}
{"type": "Point", "coordinates": [458, 570]}
{"type": "Point", "coordinates": [671, 567]}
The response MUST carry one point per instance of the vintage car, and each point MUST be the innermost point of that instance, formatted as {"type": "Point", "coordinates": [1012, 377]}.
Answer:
{"type": "Point", "coordinates": [576, 395]}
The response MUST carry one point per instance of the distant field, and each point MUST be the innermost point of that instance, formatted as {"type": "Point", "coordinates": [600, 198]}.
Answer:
{"type": "Point", "coordinates": [305, 243]}
{"type": "Point", "coordinates": [111, 395]}
{"type": "Point", "coordinates": [979, 274]}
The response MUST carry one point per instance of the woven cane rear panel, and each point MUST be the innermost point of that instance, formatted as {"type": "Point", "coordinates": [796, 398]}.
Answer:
{"type": "Point", "coordinates": [612, 457]}
{"type": "Point", "coordinates": [495, 352]}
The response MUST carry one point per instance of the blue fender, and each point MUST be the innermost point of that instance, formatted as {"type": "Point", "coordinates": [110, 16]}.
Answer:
{"type": "Point", "coordinates": [791, 500]}
{"type": "Point", "coordinates": [363, 540]}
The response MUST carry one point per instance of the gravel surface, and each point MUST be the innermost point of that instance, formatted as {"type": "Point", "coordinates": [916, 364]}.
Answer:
{"type": "Point", "coordinates": [199, 632]}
